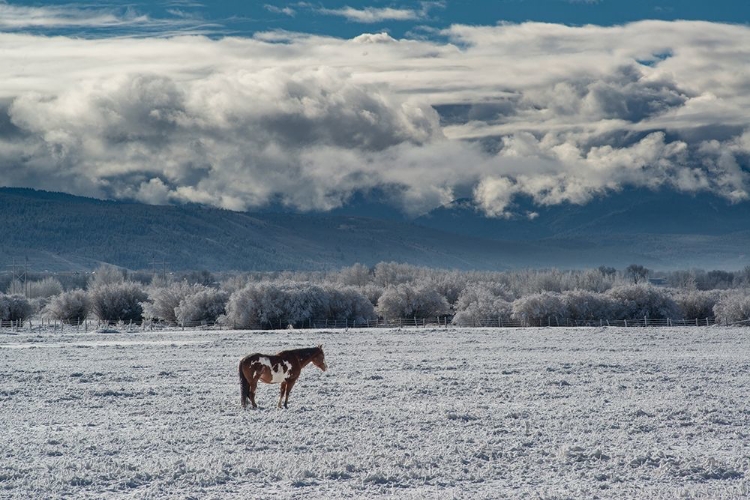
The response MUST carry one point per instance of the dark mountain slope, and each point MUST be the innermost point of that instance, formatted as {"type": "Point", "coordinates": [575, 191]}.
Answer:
{"type": "Point", "coordinates": [62, 232]}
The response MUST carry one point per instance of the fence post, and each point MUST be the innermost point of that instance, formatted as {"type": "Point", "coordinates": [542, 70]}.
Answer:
{"type": "Point", "coordinates": [645, 321]}
{"type": "Point", "coordinates": [626, 323]}
{"type": "Point", "coordinates": [706, 321]}
{"type": "Point", "coordinates": [696, 321]}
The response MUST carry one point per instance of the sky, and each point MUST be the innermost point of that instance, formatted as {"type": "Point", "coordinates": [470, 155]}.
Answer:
{"type": "Point", "coordinates": [242, 105]}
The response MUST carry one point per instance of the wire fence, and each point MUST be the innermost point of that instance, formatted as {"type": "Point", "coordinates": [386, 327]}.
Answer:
{"type": "Point", "coordinates": [46, 325]}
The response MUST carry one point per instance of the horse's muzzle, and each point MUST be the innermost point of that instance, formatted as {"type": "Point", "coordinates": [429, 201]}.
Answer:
{"type": "Point", "coordinates": [324, 367]}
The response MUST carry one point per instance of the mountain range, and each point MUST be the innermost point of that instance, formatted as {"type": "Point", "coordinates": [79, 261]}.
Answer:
{"type": "Point", "coordinates": [662, 230]}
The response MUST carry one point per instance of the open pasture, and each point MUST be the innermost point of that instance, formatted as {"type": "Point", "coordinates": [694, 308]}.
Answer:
{"type": "Point", "coordinates": [428, 413]}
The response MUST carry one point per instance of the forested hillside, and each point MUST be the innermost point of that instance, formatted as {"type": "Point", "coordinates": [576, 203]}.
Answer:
{"type": "Point", "coordinates": [62, 232]}
{"type": "Point", "coordinates": [59, 232]}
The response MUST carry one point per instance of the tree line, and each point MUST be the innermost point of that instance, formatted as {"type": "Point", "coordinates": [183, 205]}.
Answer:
{"type": "Point", "coordinates": [358, 294]}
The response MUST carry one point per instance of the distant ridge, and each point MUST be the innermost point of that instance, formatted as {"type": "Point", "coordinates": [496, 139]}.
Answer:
{"type": "Point", "coordinates": [61, 232]}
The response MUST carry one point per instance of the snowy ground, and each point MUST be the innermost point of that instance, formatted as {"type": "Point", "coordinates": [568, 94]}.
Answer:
{"type": "Point", "coordinates": [542, 413]}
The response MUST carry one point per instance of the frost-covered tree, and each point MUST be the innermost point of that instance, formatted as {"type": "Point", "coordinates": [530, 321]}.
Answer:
{"type": "Point", "coordinates": [348, 303]}
{"type": "Point", "coordinates": [45, 288]}
{"type": "Point", "coordinates": [639, 301]}
{"type": "Point", "coordinates": [696, 304]}
{"type": "Point", "coordinates": [163, 301]}
{"type": "Point", "coordinates": [449, 285]}
{"type": "Point", "coordinates": [636, 273]}
{"type": "Point", "coordinates": [733, 307]}
{"type": "Point", "coordinates": [480, 302]}
{"type": "Point", "coordinates": [716, 280]}
{"type": "Point", "coordinates": [204, 278]}
{"type": "Point", "coordinates": [356, 275]}
{"type": "Point", "coordinates": [15, 308]}
{"type": "Point", "coordinates": [539, 308]}
{"type": "Point", "coordinates": [407, 301]}
{"type": "Point", "coordinates": [393, 273]}
{"type": "Point", "coordinates": [70, 307]}
{"type": "Point", "coordinates": [36, 289]}
{"type": "Point", "coordinates": [232, 284]}
{"type": "Point", "coordinates": [594, 280]}
{"type": "Point", "coordinates": [742, 278]}
{"type": "Point", "coordinates": [586, 305]}
{"type": "Point", "coordinates": [684, 280]}
{"type": "Point", "coordinates": [206, 304]}
{"type": "Point", "coordinates": [106, 275]}
{"type": "Point", "coordinates": [372, 293]}
{"type": "Point", "coordinates": [118, 301]}
{"type": "Point", "coordinates": [276, 305]}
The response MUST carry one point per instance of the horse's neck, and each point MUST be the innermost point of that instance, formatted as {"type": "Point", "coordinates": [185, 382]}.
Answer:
{"type": "Point", "coordinates": [306, 356]}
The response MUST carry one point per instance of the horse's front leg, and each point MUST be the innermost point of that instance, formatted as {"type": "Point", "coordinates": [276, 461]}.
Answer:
{"type": "Point", "coordinates": [253, 386]}
{"type": "Point", "coordinates": [289, 385]}
{"type": "Point", "coordinates": [281, 394]}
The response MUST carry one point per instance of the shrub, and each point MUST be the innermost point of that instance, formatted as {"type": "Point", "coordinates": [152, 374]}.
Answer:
{"type": "Point", "coordinates": [47, 287]}
{"type": "Point", "coordinates": [15, 308]}
{"type": "Point", "coordinates": [348, 304]}
{"type": "Point", "coordinates": [585, 305]}
{"type": "Point", "coordinates": [372, 293]}
{"type": "Point", "coordinates": [70, 307]}
{"type": "Point", "coordinates": [639, 301]}
{"type": "Point", "coordinates": [482, 301]}
{"type": "Point", "coordinates": [696, 304]}
{"type": "Point", "coordinates": [733, 307]}
{"type": "Point", "coordinates": [539, 308]}
{"type": "Point", "coordinates": [406, 301]}
{"type": "Point", "coordinates": [204, 305]}
{"type": "Point", "coordinates": [118, 301]}
{"type": "Point", "coordinates": [106, 275]}
{"type": "Point", "coordinates": [356, 275]}
{"type": "Point", "coordinates": [276, 305]}
{"type": "Point", "coordinates": [163, 301]}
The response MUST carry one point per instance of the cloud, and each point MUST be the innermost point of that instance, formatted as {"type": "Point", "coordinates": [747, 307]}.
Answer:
{"type": "Point", "coordinates": [19, 17]}
{"type": "Point", "coordinates": [372, 14]}
{"type": "Point", "coordinates": [76, 16]}
{"type": "Point", "coordinates": [379, 14]}
{"type": "Point", "coordinates": [288, 11]}
{"type": "Point", "coordinates": [555, 113]}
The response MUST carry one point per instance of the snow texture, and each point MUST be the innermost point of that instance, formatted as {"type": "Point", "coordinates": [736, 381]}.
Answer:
{"type": "Point", "coordinates": [432, 413]}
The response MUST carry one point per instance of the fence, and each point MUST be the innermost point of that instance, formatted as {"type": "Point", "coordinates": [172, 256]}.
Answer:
{"type": "Point", "coordinates": [553, 321]}
{"type": "Point", "coordinates": [41, 325]}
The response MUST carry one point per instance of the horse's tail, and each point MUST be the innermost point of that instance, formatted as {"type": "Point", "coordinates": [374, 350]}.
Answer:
{"type": "Point", "coordinates": [244, 387]}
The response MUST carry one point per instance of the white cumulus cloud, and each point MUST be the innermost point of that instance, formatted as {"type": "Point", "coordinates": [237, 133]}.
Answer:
{"type": "Point", "coordinates": [557, 113]}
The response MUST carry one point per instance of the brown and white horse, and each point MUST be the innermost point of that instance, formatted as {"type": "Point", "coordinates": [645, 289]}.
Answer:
{"type": "Point", "coordinates": [283, 368]}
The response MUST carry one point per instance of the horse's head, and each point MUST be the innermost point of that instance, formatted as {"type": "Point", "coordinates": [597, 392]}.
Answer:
{"type": "Point", "coordinates": [319, 359]}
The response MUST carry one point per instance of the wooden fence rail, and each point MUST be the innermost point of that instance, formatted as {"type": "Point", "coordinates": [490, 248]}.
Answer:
{"type": "Point", "coordinates": [437, 322]}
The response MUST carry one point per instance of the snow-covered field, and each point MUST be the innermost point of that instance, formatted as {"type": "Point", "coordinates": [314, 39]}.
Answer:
{"type": "Point", "coordinates": [468, 413]}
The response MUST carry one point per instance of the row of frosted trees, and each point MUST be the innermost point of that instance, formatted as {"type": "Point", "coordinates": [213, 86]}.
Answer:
{"type": "Point", "coordinates": [359, 294]}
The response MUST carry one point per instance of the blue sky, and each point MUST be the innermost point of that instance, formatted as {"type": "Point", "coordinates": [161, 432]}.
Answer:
{"type": "Point", "coordinates": [243, 105]}
{"type": "Point", "coordinates": [400, 18]}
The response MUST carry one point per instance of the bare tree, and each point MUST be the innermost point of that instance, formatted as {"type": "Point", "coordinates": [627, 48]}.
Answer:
{"type": "Point", "coordinates": [636, 273]}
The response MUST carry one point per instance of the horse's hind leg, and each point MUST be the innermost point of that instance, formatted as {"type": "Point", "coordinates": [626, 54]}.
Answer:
{"type": "Point", "coordinates": [281, 395]}
{"type": "Point", "coordinates": [289, 385]}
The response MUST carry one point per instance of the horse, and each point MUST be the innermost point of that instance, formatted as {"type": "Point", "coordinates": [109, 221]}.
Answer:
{"type": "Point", "coordinates": [284, 368]}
